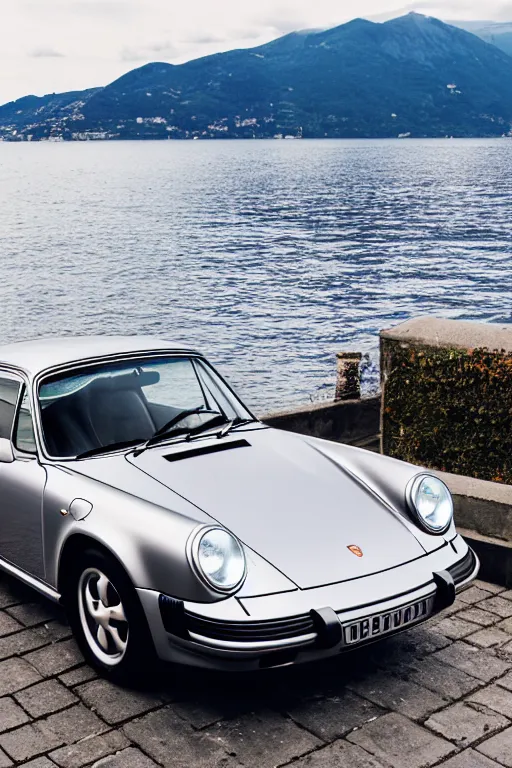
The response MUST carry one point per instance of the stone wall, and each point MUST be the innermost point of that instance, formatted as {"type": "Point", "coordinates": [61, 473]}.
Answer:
{"type": "Point", "coordinates": [355, 422]}
{"type": "Point", "coordinates": [447, 396]}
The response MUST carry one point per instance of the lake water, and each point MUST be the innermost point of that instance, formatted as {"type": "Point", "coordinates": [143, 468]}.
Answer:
{"type": "Point", "coordinates": [269, 256]}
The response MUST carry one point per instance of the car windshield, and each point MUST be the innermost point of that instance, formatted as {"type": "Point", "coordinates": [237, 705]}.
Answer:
{"type": "Point", "coordinates": [110, 404]}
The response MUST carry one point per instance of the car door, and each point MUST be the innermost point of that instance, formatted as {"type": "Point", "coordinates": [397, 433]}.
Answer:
{"type": "Point", "coordinates": [22, 480]}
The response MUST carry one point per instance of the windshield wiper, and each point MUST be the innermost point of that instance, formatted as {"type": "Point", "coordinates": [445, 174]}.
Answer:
{"type": "Point", "coordinates": [243, 422]}
{"type": "Point", "coordinates": [163, 432]}
{"type": "Point", "coordinates": [176, 420]}
{"type": "Point", "coordinates": [108, 448]}
{"type": "Point", "coordinates": [227, 427]}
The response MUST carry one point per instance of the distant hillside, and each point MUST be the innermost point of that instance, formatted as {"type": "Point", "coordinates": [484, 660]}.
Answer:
{"type": "Point", "coordinates": [412, 75]}
{"type": "Point", "coordinates": [499, 34]}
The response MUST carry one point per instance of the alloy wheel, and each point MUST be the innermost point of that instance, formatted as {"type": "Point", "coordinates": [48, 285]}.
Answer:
{"type": "Point", "coordinates": [102, 616]}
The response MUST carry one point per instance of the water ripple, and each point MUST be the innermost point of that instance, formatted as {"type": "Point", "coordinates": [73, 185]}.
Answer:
{"type": "Point", "coordinates": [269, 256]}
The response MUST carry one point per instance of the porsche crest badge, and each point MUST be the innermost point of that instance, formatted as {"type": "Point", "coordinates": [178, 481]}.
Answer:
{"type": "Point", "coordinates": [357, 551]}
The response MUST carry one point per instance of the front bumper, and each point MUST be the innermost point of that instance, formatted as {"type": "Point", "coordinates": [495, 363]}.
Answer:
{"type": "Point", "coordinates": [270, 631]}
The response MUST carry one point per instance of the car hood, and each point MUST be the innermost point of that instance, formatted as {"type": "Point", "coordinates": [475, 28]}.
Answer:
{"type": "Point", "coordinates": [288, 502]}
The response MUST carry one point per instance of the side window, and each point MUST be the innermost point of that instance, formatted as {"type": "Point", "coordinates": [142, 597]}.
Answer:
{"type": "Point", "coordinates": [24, 439]}
{"type": "Point", "coordinates": [9, 391]}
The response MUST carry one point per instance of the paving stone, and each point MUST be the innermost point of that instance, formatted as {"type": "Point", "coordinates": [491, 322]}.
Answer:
{"type": "Point", "coordinates": [45, 735]}
{"type": "Point", "coordinates": [507, 595]}
{"type": "Point", "coordinates": [474, 661]}
{"type": "Point", "coordinates": [56, 658]}
{"type": "Point", "coordinates": [45, 698]}
{"type": "Point", "coordinates": [78, 722]}
{"type": "Point", "coordinates": [464, 725]}
{"type": "Point", "coordinates": [30, 639]}
{"type": "Point", "coordinates": [422, 640]}
{"type": "Point", "coordinates": [6, 597]}
{"type": "Point", "coordinates": [488, 587]}
{"type": "Point", "coordinates": [505, 652]}
{"type": "Point", "coordinates": [8, 625]}
{"type": "Point", "coordinates": [263, 738]}
{"type": "Point", "coordinates": [492, 637]}
{"type": "Point", "coordinates": [447, 681]}
{"type": "Point", "coordinates": [495, 697]}
{"type": "Point", "coordinates": [11, 715]}
{"type": "Point", "coordinates": [13, 591]}
{"type": "Point", "coordinates": [21, 642]}
{"type": "Point", "coordinates": [205, 710]}
{"type": "Point", "coordinates": [400, 743]}
{"type": "Point", "coordinates": [39, 762]}
{"type": "Point", "coordinates": [29, 741]}
{"type": "Point", "coordinates": [469, 759]}
{"type": "Point", "coordinates": [449, 611]}
{"type": "Point", "coordinates": [456, 628]}
{"type": "Point", "coordinates": [474, 595]}
{"type": "Point", "coordinates": [4, 760]}
{"type": "Point", "coordinates": [170, 741]}
{"type": "Point", "coordinates": [331, 717]}
{"type": "Point", "coordinates": [116, 704]}
{"type": "Point", "coordinates": [405, 648]}
{"type": "Point", "coordinates": [497, 605]}
{"type": "Point", "coordinates": [399, 695]}
{"type": "Point", "coordinates": [89, 750]}
{"type": "Point", "coordinates": [16, 674]}
{"type": "Point", "coordinates": [505, 681]}
{"type": "Point", "coordinates": [499, 748]}
{"type": "Point", "coordinates": [128, 758]}
{"type": "Point", "coordinates": [30, 614]}
{"type": "Point", "coordinates": [79, 675]}
{"type": "Point", "coordinates": [477, 616]}
{"type": "Point", "coordinates": [505, 625]}
{"type": "Point", "coordinates": [339, 755]}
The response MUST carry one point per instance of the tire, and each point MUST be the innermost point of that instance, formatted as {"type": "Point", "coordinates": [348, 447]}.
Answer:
{"type": "Point", "coordinates": [107, 619]}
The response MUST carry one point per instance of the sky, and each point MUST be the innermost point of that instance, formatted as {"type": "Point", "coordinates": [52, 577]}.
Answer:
{"type": "Point", "coordinates": [59, 45]}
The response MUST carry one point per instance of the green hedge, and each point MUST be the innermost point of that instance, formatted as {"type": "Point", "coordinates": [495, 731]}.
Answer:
{"type": "Point", "coordinates": [449, 409]}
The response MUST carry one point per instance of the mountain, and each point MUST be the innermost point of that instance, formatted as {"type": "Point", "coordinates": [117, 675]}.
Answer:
{"type": "Point", "coordinates": [497, 33]}
{"type": "Point", "coordinates": [412, 75]}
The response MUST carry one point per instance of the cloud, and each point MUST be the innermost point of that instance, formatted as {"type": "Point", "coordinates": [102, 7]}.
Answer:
{"type": "Point", "coordinates": [206, 39]}
{"type": "Point", "coordinates": [503, 12]}
{"type": "Point", "coordinates": [86, 8]}
{"type": "Point", "coordinates": [46, 53]}
{"type": "Point", "coordinates": [161, 50]}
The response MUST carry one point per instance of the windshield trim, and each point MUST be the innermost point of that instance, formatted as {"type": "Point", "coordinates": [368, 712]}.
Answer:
{"type": "Point", "coordinates": [118, 358]}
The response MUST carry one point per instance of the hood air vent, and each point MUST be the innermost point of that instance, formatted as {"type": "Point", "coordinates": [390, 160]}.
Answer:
{"type": "Point", "coordinates": [206, 449]}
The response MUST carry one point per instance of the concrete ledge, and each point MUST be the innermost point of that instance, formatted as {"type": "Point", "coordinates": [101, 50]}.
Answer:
{"type": "Point", "coordinates": [495, 557]}
{"type": "Point", "coordinates": [483, 515]}
{"type": "Point", "coordinates": [481, 506]}
{"type": "Point", "coordinates": [454, 334]}
{"type": "Point", "coordinates": [354, 422]}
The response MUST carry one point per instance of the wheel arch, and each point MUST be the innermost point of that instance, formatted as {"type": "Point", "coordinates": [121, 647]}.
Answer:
{"type": "Point", "coordinates": [75, 545]}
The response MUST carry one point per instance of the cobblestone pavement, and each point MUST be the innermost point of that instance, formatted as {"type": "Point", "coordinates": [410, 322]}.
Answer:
{"type": "Point", "coordinates": [440, 694]}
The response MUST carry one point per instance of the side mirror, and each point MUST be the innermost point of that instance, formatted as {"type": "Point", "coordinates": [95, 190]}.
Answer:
{"type": "Point", "coordinates": [6, 452]}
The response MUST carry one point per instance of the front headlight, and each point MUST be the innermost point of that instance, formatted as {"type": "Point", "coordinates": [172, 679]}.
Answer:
{"type": "Point", "coordinates": [219, 558]}
{"type": "Point", "coordinates": [431, 502]}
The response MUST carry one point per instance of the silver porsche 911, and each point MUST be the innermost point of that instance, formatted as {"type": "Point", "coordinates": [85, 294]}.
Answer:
{"type": "Point", "coordinates": [138, 490]}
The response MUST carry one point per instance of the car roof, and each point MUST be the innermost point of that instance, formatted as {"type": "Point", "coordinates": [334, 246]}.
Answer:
{"type": "Point", "coordinates": [39, 355]}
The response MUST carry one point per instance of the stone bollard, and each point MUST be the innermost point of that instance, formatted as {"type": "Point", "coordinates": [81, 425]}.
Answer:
{"type": "Point", "coordinates": [348, 384]}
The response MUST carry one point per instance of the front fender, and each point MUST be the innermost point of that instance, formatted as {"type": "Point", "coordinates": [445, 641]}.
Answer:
{"type": "Point", "coordinates": [386, 477]}
{"type": "Point", "coordinates": [147, 539]}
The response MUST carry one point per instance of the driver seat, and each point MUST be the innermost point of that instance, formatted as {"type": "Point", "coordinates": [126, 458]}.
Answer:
{"type": "Point", "coordinates": [118, 415]}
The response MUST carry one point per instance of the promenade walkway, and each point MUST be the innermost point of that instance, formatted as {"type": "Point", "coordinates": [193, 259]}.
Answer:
{"type": "Point", "coordinates": [440, 694]}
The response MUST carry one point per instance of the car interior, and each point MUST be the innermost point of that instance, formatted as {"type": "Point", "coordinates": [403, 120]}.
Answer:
{"type": "Point", "coordinates": [109, 409]}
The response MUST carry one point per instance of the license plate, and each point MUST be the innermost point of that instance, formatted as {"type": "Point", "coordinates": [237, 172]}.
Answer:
{"type": "Point", "coordinates": [384, 623]}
